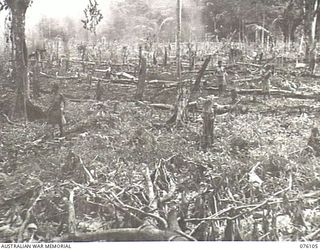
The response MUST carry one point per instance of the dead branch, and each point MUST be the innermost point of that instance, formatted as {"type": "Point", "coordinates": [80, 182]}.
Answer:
{"type": "Point", "coordinates": [158, 218]}
{"type": "Point", "coordinates": [87, 172]}
{"type": "Point", "coordinates": [172, 189]}
{"type": "Point", "coordinates": [71, 213]}
{"type": "Point", "coordinates": [122, 207]}
{"type": "Point", "coordinates": [150, 190]}
{"type": "Point", "coordinates": [312, 236]}
{"type": "Point", "coordinates": [11, 122]}
{"type": "Point", "coordinates": [145, 233]}
{"type": "Point", "coordinates": [189, 237]}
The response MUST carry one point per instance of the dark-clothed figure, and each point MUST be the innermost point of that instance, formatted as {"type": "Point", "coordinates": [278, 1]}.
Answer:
{"type": "Point", "coordinates": [56, 109]}
{"type": "Point", "coordinates": [266, 81]}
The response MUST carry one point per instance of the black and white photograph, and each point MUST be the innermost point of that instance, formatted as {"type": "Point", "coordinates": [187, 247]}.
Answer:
{"type": "Point", "coordinates": [154, 121]}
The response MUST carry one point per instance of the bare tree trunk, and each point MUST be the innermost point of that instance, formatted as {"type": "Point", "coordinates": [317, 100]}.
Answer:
{"type": "Point", "coordinates": [165, 58]}
{"type": "Point", "coordinates": [183, 92]}
{"type": "Point", "coordinates": [66, 49]}
{"type": "Point", "coordinates": [263, 33]}
{"type": "Point", "coordinates": [310, 22]}
{"type": "Point", "coordinates": [18, 9]}
{"type": "Point", "coordinates": [179, 10]}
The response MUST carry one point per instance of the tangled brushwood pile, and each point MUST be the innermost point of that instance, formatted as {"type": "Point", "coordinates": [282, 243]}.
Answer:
{"type": "Point", "coordinates": [118, 175]}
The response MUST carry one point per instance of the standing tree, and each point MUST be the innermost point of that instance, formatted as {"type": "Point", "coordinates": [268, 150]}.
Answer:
{"type": "Point", "coordinates": [310, 21]}
{"type": "Point", "coordinates": [183, 93]}
{"type": "Point", "coordinates": [18, 10]}
{"type": "Point", "coordinates": [93, 16]}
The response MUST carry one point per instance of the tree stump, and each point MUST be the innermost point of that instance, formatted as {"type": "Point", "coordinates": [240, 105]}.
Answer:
{"type": "Point", "coordinates": [35, 79]}
{"type": "Point", "coordinates": [234, 96]}
{"type": "Point", "coordinates": [208, 123]}
{"type": "Point", "coordinates": [142, 79]}
{"type": "Point", "coordinates": [180, 112]}
{"type": "Point", "coordinates": [89, 78]}
{"type": "Point", "coordinates": [99, 91]}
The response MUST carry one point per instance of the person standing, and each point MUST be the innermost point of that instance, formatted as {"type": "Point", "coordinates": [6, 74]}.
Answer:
{"type": "Point", "coordinates": [222, 78]}
{"type": "Point", "coordinates": [56, 109]}
{"type": "Point", "coordinates": [266, 81]}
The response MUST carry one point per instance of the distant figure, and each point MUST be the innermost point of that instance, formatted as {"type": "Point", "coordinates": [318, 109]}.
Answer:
{"type": "Point", "coordinates": [154, 58]}
{"type": "Point", "coordinates": [314, 141]}
{"type": "Point", "coordinates": [235, 55]}
{"type": "Point", "coordinates": [266, 81]}
{"type": "Point", "coordinates": [56, 109]}
{"type": "Point", "coordinates": [99, 91]}
{"type": "Point", "coordinates": [222, 78]}
{"type": "Point", "coordinates": [259, 56]}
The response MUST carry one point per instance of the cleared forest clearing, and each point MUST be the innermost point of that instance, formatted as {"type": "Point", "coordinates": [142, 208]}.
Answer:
{"type": "Point", "coordinates": [169, 136]}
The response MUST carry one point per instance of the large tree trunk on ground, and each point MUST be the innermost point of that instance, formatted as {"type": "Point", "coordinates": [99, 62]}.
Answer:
{"type": "Point", "coordinates": [18, 9]}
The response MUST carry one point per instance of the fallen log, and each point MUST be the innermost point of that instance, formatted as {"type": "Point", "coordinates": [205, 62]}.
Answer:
{"type": "Point", "coordinates": [162, 106]}
{"type": "Point", "coordinates": [82, 100]}
{"type": "Point", "coordinates": [251, 79]}
{"type": "Point", "coordinates": [126, 75]}
{"type": "Point", "coordinates": [164, 82]}
{"type": "Point", "coordinates": [58, 77]}
{"type": "Point", "coordinates": [116, 81]}
{"type": "Point", "coordinates": [83, 62]}
{"type": "Point", "coordinates": [102, 70]}
{"type": "Point", "coordinates": [273, 92]}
